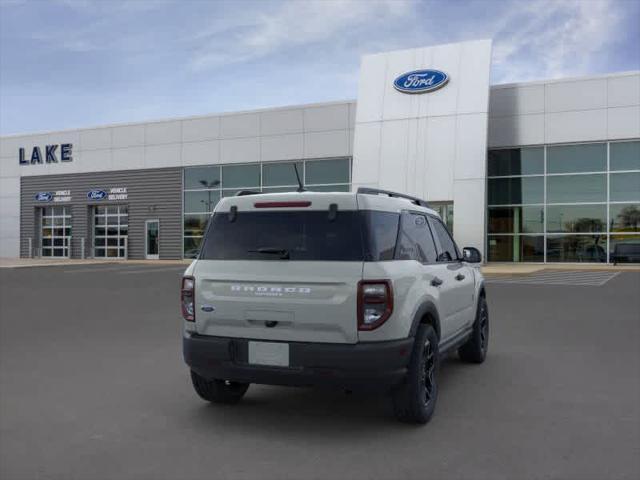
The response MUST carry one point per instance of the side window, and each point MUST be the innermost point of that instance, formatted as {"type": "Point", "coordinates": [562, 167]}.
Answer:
{"type": "Point", "coordinates": [380, 232]}
{"type": "Point", "coordinates": [414, 240]}
{"type": "Point", "coordinates": [449, 250]}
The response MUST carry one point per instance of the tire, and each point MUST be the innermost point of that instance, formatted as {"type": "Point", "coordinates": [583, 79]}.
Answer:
{"type": "Point", "coordinates": [475, 349]}
{"type": "Point", "coordinates": [218, 391]}
{"type": "Point", "coordinates": [415, 400]}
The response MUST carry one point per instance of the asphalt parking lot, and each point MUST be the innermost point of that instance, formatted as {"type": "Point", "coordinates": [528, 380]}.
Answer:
{"type": "Point", "coordinates": [92, 386]}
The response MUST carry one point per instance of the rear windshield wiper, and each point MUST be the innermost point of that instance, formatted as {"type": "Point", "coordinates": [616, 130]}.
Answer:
{"type": "Point", "coordinates": [284, 254]}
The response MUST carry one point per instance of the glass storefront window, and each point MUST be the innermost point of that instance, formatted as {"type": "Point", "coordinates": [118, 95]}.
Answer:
{"type": "Point", "coordinates": [191, 246]}
{"type": "Point", "coordinates": [515, 248]}
{"type": "Point", "coordinates": [624, 249]}
{"type": "Point", "coordinates": [327, 171]}
{"type": "Point", "coordinates": [281, 174]}
{"type": "Point", "coordinates": [576, 248]}
{"type": "Point", "coordinates": [205, 186]}
{"type": "Point", "coordinates": [201, 177]}
{"type": "Point", "coordinates": [194, 225]}
{"type": "Point", "coordinates": [241, 176]}
{"type": "Point", "coordinates": [516, 220]}
{"type": "Point", "coordinates": [624, 156]}
{"type": "Point", "coordinates": [576, 218]}
{"type": "Point", "coordinates": [591, 157]}
{"type": "Point", "coordinates": [516, 161]}
{"type": "Point", "coordinates": [624, 217]}
{"type": "Point", "coordinates": [515, 191]}
{"type": "Point", "coordinates": [329, 188]}
{"type": "Point", "coordinates": [576, 188]}
{"type": "Point", "coordinates": [201, 201]}
{"type": "Point", "coordinates": [624, 187]}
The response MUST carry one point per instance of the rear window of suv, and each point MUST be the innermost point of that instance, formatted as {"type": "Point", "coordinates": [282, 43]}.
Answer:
{"type": "Point", "coordinates": [301, 235]}
{"type": "Point", "coordinates": [291, 235]}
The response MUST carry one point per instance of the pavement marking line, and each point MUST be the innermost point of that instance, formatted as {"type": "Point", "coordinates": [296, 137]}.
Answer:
{"type": "Point", "coordinates": [575, 278]}
{"type": "Point", "coordinates": [98, 269]}
{"type": "Point", "coordinates": [152, 270]}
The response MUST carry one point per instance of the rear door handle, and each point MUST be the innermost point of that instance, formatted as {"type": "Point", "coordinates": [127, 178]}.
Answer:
{"type": "Point", "coordinates": [459, 277]}
{"type": "Point", "coordinates": [436, 282]}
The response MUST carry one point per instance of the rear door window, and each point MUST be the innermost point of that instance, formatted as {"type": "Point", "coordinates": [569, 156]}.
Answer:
{"type": "Point", "coordinates": [414, 239]}
{"type": "Point", "coordinates": [290, 235]}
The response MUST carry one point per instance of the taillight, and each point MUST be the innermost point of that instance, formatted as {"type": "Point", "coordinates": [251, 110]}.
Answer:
{"type": "Point", "coordinates": [188, 298]}
{"type": "Point", "coordinates": [375, 303]}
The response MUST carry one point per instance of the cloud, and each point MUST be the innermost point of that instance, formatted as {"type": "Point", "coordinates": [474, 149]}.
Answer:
{"type": "Point", "coordinates": [549, 39]}
{"type": "Point", "coordinates": [288, 25]}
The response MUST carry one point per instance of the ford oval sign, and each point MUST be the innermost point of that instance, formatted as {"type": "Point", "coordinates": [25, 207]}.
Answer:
{"type": "Point", "coordinates": [44, 196]}
{"type": "Point", "coordinates": [97, 195]}
{"type": "Point", "coordinates": [420, 81]}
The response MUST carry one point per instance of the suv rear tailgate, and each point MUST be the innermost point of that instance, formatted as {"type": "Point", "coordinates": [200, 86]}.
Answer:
{"type": "Point", "coordinates": [284, 300]}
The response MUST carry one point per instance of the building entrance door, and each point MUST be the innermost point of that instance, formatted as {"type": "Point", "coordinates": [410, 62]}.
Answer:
{"type": "Point", "coordinates": [445, 210]}
{"type": "Point", "coordinates": [152, 239]}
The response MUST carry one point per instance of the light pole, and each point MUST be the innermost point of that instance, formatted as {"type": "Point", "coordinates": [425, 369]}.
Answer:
{"type": "Point", "coordinates": [209, 186]}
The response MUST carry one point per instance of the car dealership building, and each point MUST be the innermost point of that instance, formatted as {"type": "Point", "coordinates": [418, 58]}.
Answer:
{"type": "Point", "coordinates": [545, 171]}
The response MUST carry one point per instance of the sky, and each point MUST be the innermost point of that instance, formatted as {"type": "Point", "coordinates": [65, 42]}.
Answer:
{"type": "Point", "coordinates": [79, 63]}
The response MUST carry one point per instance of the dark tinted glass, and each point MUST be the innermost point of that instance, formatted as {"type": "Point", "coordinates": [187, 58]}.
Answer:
{"type": "Point", "coordinates": [577, 248]}
{"type": "Point", "coordinates": [203, 201]}
{"type": "Point", "coordinates": [278, 174]}
{"type": "Point", "coordinates": [302, 235]}
{"type": "Point", "coordinates": [625, 187]}
{"type": "Point", "coordinates": [576, 218]}
{"type": "Point", "coordinates": [516, 248]}
{"type": "Point", "coordinates": [624, 217]}
{"type": "Point", "coordinates": [191, 246]}
{"type": "Point", "coordinates": [624, 249]}
{"type": "Point", "coordinates": [576, 188]}
{"type": "Point", "coordinates": [414, 239]}
{"type": "Point", "coordinates": [577, 158]}
{"type": "Point", "coordinates": [625, 156]}
{"type": "Point", "coordinates": [449, 250]}
{"type": "Point", "coordinates": [381, 231]}
{"type": "Point", "coordinates": [516, 191]}
{"type": "Point", "coordinates": [516, 220]}
{"type": "Point", "coordinates": [327, 171]}
{"type": "Point", "coordinates": [241, 176]}
{"type": "Point", "coordinates": [202, 177]}
{"type": "Point", "coordinates": [194, 225]}
{"type": "Point", "coordinates": [516, 161]}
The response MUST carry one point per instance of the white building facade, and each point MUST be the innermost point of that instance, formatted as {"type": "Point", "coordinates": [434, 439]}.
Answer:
{"type": "Point", "coordinates": [543, 171]}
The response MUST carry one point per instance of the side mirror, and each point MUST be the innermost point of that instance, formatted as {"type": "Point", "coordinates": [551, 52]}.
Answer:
{"type": "Point", "coordinates": [471, 255]}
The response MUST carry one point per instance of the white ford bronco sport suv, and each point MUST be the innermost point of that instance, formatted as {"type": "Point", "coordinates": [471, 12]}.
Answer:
{"type": "Point", "coordinates": [351, 290]}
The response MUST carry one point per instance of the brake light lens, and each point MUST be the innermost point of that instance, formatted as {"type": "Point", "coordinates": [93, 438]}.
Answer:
{"type": "Point", "coordinates": [281, 204]}
{"type": "Point", "coordinates": [187, 298]}
{"type": "Point", "coordinates": [375, 303]}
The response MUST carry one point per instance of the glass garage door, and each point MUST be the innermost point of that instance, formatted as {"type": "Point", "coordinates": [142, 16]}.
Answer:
{"type": "Point", "coordinates": [56, 232]}
{"type": "Point", "coordinates": [110, 231]}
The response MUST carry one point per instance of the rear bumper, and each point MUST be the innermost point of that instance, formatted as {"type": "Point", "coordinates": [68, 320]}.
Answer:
{"type": "Point", "coordinates": [372, 365]}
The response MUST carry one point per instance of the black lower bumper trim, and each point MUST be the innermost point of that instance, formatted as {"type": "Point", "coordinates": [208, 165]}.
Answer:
{"type": "Point", "coordinates": [371, 365]}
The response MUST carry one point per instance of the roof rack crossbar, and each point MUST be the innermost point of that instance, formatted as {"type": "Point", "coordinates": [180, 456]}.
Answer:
{"type": "Point", "coordinates": [377, 191]}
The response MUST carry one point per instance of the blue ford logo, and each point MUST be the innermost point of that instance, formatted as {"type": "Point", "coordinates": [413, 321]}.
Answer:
{"type": "Point", "coordinates": [44, 196]}
{"type": "Point", "coordinates": [97, 195]}
{"type": "Point", "coordinates": [420, 81]}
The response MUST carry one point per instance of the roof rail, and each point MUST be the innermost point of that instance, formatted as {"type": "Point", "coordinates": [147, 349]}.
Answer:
{"type": "Point", "coordinates": [244, 193]}
{"type": "Point", "coordinates": [377, 191]}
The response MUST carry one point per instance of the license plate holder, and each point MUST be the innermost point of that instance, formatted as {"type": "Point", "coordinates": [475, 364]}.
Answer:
{"type": "Point", "coordinates": [274, 354]}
